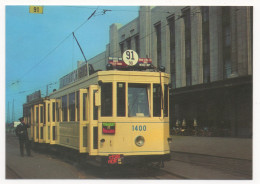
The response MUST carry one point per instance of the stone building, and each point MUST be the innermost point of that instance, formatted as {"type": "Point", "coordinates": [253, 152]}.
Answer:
{"type": "Point", "coordinates": [208, 51]}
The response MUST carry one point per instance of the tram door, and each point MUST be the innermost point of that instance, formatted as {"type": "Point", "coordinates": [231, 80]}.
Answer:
{"type": "Point", "coordinates": [82, 115]}
{"type": "Point", "coordinates": [93, 120]}
{"type": "Point", "coordinates": [49, 125]}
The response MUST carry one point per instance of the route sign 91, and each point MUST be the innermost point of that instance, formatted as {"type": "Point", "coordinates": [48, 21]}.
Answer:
{"type": "Point", "coordinates": [36, 9]}
{"type": "Point", "coordinates": [130, 57]}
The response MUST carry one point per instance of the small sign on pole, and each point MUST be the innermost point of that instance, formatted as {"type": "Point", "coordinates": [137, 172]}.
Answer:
{"type": "Point", "coordinates": [36, 9]}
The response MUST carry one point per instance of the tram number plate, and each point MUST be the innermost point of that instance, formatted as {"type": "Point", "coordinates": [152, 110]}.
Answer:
{"type": "Point", "coordinates": [115, 159]}
{"type": "Point", "coordinates": [139, 128]}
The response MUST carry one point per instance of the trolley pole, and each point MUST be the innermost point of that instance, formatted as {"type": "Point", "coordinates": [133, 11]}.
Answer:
{"type": "Point", "coordinates": [82, 53]}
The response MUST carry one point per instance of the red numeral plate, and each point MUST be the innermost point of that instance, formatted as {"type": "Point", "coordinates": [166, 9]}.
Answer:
{"type": "Point", "coordinates": [115, 159]}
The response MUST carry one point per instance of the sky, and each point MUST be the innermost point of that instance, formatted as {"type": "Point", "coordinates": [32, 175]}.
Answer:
{"type": "Point", "coordinates": [40, 48]}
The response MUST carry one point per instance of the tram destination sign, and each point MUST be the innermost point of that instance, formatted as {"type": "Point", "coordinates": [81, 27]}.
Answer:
{"type": "Point", "coordinates": [34, 96]}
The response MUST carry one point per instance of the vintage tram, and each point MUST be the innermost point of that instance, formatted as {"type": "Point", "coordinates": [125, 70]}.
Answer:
{"type": "Point", "coordinates": [114, 116]}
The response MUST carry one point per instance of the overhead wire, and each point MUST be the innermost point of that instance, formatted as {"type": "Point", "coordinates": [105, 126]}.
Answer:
{"type": "Point", "coordinates": [152, 32]}
{"type": "Point", "coordinates": [102, 59]}
{"type": "Point", "coordinates": [55, 48]}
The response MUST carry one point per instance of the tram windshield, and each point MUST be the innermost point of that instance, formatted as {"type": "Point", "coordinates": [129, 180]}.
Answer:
{"type": "Point", "coordinates": [138, 100]}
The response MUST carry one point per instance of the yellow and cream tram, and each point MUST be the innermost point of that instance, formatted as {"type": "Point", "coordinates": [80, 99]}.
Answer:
{"type": "Point", "coordinates": [116, 116]}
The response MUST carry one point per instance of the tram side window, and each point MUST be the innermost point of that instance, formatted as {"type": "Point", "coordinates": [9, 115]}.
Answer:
{"type": "Point", "coordinates": [85, 107]}
{"type": "Point", "coordinates": [58, 109]}
{"type": "Point", "coordinates": [29, 116]}
{"type": "Point", "coordinates": [121, 99]}
{"type": "Point", "coordinates": [32, 115]}
{"type": "Point", "coordinates": [64, 108]}
{"type": "Point", "coordinates": [41, 114]}
{"type": "Point", "coordinates": [157, 100]}
{"type": "Point", "coordinates": [77, 105]}
{"type": "Point", "coordinates": [165, 110]}
{"type": "Point", "coordinates": [48, 111]}
{"type": "Point", "coordinates": [53, 111]}
{"type": "Point", "coordinates": [95, 108]}
{"type": "Point", "coordinates": [37, 115]}
{"type": "Point", "coordinates": [106, 99]}
{"type": "Point", "coordinates": [72, 106]}
{"type": "Point", "coordinates": [138, 100]}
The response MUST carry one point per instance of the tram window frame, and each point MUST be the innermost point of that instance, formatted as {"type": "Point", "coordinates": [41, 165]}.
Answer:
{"type": "Point", "coordinates": [64, 108]}
{"type": "Point", "coordinates": [84, 107]}
{"type": "Point", "coordinates": [166, 108]}
{"type": "Point", "coordinates": [72, 106]}
{"type": "Point", "coordinates": [107, 99]}
{"type": "Point", "coordinates": [157, 101]}
{"type": "Point", "coordinates": [121, 99]}
{"type": "Point", "coordinates": [135, 92]}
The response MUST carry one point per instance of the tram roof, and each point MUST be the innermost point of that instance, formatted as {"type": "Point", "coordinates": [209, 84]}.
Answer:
{"type": "Point", "coordinates": [114, 75]}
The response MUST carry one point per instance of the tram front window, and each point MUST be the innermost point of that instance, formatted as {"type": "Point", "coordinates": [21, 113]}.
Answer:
{"type": "Point", "coordinates": [138, 101]}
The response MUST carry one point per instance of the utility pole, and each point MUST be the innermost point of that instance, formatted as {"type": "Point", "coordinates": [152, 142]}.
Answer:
{"type": "Point", "coordinates": [47, 88]}
{"type": "Point", "coordinates": [8, 113]}
{"type": "Point", "coordinates": [13, 117]}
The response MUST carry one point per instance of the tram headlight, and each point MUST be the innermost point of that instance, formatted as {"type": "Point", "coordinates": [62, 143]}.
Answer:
{"type": "Point", "coordinates": [139, 141]}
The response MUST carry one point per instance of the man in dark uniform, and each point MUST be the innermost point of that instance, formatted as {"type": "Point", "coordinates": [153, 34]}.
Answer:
{"type": "Point", "coordinates": [21, 132]}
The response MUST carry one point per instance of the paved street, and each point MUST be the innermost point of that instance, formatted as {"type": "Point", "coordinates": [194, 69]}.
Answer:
{"type": "Point", "coordinates": [189, 161]}
{"type": "Point", "coordinates": [39, 166]}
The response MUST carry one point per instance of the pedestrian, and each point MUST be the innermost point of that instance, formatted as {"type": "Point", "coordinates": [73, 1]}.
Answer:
{"type": "Point", "coordinates": [21, 133]}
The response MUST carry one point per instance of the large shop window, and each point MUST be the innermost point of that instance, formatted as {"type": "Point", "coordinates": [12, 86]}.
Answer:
{"type": "Point", "coordinates": [106, 99]}
{"type": "Point", "coordinates": [64, 108]}
{"type": "Point", "coordinates": [171, 23]}
{"type": "Point", "coordinates": [158, 44]}
{"type": "Point", "coordinates": [138, 100]}
{"type": "Point", "coordinates": [157, 100]}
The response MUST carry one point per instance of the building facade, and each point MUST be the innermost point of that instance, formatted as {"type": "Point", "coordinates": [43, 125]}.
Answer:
{"type": "Point", "coordinates": [208, 51]}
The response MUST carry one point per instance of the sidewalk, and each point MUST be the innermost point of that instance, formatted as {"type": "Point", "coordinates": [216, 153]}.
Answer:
{"type": "Point", "coordinates": [240, 148]}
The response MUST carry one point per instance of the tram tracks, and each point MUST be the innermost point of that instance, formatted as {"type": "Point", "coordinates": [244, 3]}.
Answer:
{"type": "Point", "coordinates": [234, 166]}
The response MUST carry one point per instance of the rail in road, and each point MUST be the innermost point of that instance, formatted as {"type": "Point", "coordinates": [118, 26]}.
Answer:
{"type": "Point", "coordinates": [234, 166]}
{"type": "Point", "coordinates": [41, 165]}
{"type": "Point", "coordinates": [182, 166]}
